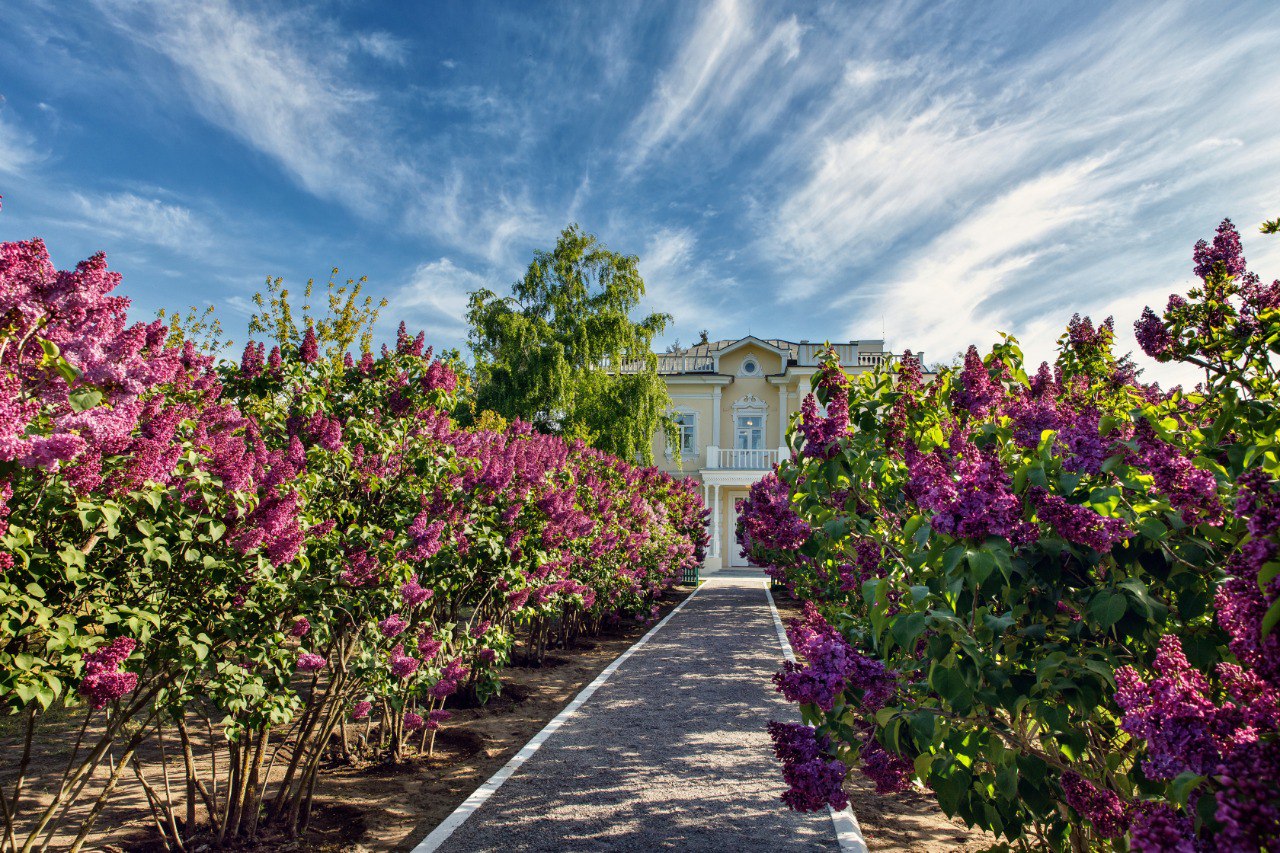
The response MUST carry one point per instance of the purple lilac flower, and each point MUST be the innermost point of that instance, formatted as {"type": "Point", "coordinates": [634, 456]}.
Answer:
{"type": "Point", "coordinates": [1100, 807]}
{"type": "Point", "coordinates": [402, 665]}
{"type": "Point", "coordinates": [1077, 523]}
{"type": "Point", "coordinates": [309, 662]}
{"type": "Point", "coordinates": [300, 627]}
{"type": "Point", "coordinates": [413, 722]}
{"type": "Point", "coordinates": [310, 349]}
{"type": "Point", "coordinates": [814, 779]}
{"type": "Point", "coordinates": [393, 625]}
{"type": "Point", "coordinates": [103, 682]}
{"type": "Point", "coordinates": [413, 593]}
{"type": "Point", "coordinates": [361, 710]}
{"type": "Point", "coordinates": [1157, 828]}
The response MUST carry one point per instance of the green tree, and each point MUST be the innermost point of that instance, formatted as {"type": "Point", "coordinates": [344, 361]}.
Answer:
{"type": "Point", "coordinates": [563, 352]}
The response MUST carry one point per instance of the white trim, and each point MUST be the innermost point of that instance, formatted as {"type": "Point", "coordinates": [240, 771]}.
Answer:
{"type": "Point", "coordinates": [848, 832]}
{"type": "Point", "coordinates": [742, 368]}
{"type": "Point", "coordinates": [469, 806]}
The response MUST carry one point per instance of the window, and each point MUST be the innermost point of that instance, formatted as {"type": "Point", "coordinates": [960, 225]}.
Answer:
{"type": "Point", "coordinates": [750, 433]}
{"type": "Point", "coordinates": [750, 367]}
{"type": "Point", "coordinates": [687, 423]}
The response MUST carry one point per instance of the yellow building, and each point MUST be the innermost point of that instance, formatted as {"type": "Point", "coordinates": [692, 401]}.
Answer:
{"type": "Point", "coordinates": [734, 400]}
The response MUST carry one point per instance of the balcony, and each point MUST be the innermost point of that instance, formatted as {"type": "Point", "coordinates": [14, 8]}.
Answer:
{"type": "Point", "coordinates": [741, 460]}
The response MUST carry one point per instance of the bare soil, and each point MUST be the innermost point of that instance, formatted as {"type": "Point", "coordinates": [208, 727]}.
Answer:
{"type": "Point", "coordinates": [899, 823]}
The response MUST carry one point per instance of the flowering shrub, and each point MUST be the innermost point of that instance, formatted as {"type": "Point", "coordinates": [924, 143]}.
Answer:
{"type": "Point", "coordinates": [278, 549]}
{"type": "Point", "coordinates": [1049, 598]}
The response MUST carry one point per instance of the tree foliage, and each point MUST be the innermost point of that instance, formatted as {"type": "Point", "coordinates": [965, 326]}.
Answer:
{"type": "Point", "coordinates": [564, 353]}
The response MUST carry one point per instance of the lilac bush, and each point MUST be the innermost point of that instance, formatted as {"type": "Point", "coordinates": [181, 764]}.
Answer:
{"type": "Point", "coordinates": [1067, 579]}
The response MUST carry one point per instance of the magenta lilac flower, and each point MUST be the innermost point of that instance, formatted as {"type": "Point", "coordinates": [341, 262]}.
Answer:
{"type": "Point", "coordinates": [103, 681]}
{"type": "Point", "coordinates": [310, 662]}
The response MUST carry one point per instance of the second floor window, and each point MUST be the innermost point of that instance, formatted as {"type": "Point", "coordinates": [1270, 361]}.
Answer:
{"type": "Point", "coordinates": [688, 426]}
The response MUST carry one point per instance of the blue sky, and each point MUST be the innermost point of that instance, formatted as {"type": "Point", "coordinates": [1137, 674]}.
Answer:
{"type": "Point", "coordinates": [828, 170]}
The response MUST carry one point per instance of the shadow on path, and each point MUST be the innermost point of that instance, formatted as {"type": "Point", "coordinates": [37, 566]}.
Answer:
{"type": "Point", "coordinates": [670, 753]}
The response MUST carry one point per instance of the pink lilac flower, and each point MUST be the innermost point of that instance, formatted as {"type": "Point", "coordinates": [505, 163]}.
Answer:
{"type": "Point", "coordinates": [413, 593]}
{"type": "Point", "coordinates": [413, 722]}
{"type": "Point", "coordinates": [300, 627]}
{"type": "Point", "coordinates": [309, 662]}
{"type": "Point", "coordinates": [361, 710]}
{"type": "Point", "coordinates": [103, 682]}
{"type": "Point", "coordinates": [393, 625]}
{"type": "Point", "coordinates": [402, 665]}
{"type": "Point", "coordinates": [435, 718]}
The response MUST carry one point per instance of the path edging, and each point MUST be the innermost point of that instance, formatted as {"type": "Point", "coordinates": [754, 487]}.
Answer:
{"type": "Point", "coordinates": [848, 832]}
{"type": "Point", "coordinates": [471, 804]}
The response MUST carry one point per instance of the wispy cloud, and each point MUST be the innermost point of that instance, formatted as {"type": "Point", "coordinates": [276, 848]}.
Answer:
{"type": "Point", "coordinates": [18, 151]}
{"type": "Point", "coordinates": [436, 296]}
{"type": "Point", "coordinates": [384, 46]}
{"type": "Point", "coordinates": [718, 66]}
{"type": "Point", "coordinates": [147, 220]}
{"type": "Point", "coordinates": [288, 102]}
{"type": "Point", "coordinates": [681, 281]}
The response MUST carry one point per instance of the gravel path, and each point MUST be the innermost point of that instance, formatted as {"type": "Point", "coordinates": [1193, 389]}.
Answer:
{"type": "Point", "coordinates": [671, 752]}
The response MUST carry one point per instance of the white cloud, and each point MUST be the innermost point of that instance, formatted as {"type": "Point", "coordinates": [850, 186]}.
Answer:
{"type": "Point", "coordinates": [681, 281]}
{"type": "Point", "coordinates": [722, 63]}
{"type": "Point", "coordinates": [148, 220]}
{"type": "Point", "coordinates": [384, 46]}
{"type": "Point", "coordinates": [17, 149]}
{"type": "Point", "coordinates": [437, 294]}
{"type": "Point", "coordinates": [259, 79]}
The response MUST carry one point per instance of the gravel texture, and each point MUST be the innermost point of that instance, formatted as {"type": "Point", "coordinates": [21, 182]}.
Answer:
{"type": "Point", "coordinates": [670, 753]}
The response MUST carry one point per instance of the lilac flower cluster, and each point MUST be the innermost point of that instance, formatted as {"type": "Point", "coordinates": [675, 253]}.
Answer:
{"type": "Point", "coordinates": [412, 593]}
{"type": "Point", "coordinates": [413, 722]}
{"type": "Point", "coordinates": [309, 662]}
{"type": "Point", "coordinates": [814, 779]}
{"type": "Point", "coordinates": [1192, 491]}
{"type": "Point", "coordinates": [968, 491]}
{"type": "Point", "coordinates": [1157, 828]}
{"type": "Point", "coordinates": [1100, 807]}
{"type": "Point", "coordinates": [451, 678]}
{"type": "Point", "coordinates": [103, 681]}
{"type": "Point", "coordinates": [830, 667]}
{"type": "Point", "coordinates": [1077, 523]}
{"type": "Point", "coordinates": [402, 665]}
{"type": "Point", "coordinates": [978, 393]}
{"type": "Point", "coordinates": [361, 710]}
{"type": "Point", "coordinates": [890, 773]}
{"type": "Point", "coordinates": [768, 518]}
{"type": "Point", "coordinates": [393, 625]}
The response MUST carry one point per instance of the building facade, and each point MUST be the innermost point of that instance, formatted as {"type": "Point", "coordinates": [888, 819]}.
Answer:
{"type": "Point", "coordinates": [734, 400]}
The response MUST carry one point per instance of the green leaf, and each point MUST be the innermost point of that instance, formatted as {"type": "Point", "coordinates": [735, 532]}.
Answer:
{"type": "Point", "coordinates": [905, 629]}
{"type": "Point", "coordinates": [1269, 621]}
{"type": "Point", "coordinates": [1107, 607]}
{"type": "Point", "coordinates": [85, 398]}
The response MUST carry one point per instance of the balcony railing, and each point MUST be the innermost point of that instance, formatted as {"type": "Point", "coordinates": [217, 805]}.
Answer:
{"type": "Point", "coordinates": [673, 364]}
{"type": "Point", "coordinates": [741, 460]}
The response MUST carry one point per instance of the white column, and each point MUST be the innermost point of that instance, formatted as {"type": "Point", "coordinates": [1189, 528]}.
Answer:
{"type": "Point", "coordinates": [782, 416]}
{"type": "Point", "coordinates": [716, 519]}
{"type": "Point", "coordinates": [715, 419]}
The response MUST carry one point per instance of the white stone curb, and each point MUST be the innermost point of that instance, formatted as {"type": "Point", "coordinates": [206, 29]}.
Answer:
{"type": "Point", "coordinates": [848, 833]}
{"type": "Point", "coordinates": [459, 815]}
